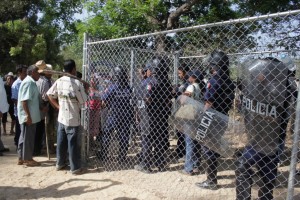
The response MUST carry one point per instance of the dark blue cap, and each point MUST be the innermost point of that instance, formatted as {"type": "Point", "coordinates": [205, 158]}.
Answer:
{"type": "Point", "coordinates": [197, 74]}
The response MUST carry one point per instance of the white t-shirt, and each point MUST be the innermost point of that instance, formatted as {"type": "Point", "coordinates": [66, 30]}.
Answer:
{"type": "Point", "coordinates": [195, 91]}
{"type": "Point", "coordinates": [3, 100]}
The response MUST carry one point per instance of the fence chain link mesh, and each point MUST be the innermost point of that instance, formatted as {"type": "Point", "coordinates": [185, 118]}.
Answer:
{"type": "Point", "coordinates": [212, 105]}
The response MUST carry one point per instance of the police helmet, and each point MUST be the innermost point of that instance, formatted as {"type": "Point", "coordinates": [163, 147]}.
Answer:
{"type": "Point", "coordinates": [289, 63]}
{"type": "Point", "coordinates": [196, 74]}
{"type": "Point", "coordinates": [217, 60]}
{"type": "Point", "coordinates": [160, 65]}
{"type": "Point", "coordinates": [118, 74]}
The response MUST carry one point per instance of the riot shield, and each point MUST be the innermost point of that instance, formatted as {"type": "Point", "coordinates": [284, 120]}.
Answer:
{"type": "Point", "coordinates": [209, 128]}
{"type": "Point", "coordinates": [264, 103]}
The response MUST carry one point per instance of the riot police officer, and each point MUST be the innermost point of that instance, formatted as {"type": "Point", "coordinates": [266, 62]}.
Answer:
{"type": "Point", "coordinates": [159, 110]}
{"type": "Point", "coordinates": [117, 97]}
{"type": "Point", "coordinates": [158, 107]}
{"type": "Point", "coordinates": [219, 95]}
{"type": "Point", "coordinates": [265, 89]}
{"type": "Point", "coordinates": [144, 157]}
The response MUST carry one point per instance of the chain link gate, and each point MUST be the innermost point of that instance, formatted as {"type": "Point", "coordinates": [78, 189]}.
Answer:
{"type": "Point", "coordinates": [146, 131]}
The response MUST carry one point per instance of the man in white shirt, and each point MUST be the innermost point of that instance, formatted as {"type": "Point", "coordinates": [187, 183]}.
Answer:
{"type": "Point", "coordinates": [193, 148]}
{"type": "Point", "coordinates": [3, 109]}
{"type": "Point", "coordinates": [67, 95]}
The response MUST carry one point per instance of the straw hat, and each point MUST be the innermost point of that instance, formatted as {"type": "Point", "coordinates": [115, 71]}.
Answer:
{"type": "Point", "coordinates": [41, 64]}
{"type": "Point", "coordinates": [10, 74]}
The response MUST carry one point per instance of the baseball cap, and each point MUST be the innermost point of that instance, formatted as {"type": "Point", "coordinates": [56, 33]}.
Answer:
{"type": "Point", "coordinates": [196, 73]}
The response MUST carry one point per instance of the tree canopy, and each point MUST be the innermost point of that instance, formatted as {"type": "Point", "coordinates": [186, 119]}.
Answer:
{"type": "Point", "coordinates": [121, 18]}
{"type": "Point", "coordinates": [32, 30]}
{"type": "Point", "coordinates": [46, 29]}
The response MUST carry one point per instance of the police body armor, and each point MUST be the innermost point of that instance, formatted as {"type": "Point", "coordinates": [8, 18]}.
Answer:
{"type": "Point", "coordinates": [143, 115]}
{"type": "Point", "coordinates": [264, 88]}
{"type": "Point", "coordinates": [208, 128]}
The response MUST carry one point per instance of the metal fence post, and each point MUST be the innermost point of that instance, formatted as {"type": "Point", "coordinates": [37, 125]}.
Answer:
{"type": "Point", "coordinates": [175, 67]}
{"type": "Point", "coordinates": [175, 80]}
{"type": "Point", "coordinates": [132, 67]}
{"type": "Point", "coordinates": [291, 180]}
{"type": "Point", "coordinates": [83, 135]}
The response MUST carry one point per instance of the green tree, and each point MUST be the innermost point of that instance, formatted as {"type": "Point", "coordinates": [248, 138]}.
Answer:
{"type": "Point", "coordinates": [114, 19]}
{"type": "Point", "coordinates": [35, 29]}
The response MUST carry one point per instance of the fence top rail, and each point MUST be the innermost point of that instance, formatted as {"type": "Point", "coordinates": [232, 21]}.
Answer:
{"type": "Point", "coordinates": [244, 53]}
{"type": "Point", "coordinates": [246, 19]}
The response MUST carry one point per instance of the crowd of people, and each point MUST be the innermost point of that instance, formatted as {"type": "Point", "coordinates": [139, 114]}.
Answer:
{"type": "Point", "coordinates": [35, 100]}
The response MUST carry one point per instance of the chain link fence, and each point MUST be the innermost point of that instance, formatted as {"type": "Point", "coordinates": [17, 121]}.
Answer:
{"type": "Point", "coordinates": [205, 112]}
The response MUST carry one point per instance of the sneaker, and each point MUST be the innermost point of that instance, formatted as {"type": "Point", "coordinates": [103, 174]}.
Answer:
{"type": "Point", "coordinates": [78, 171]}
{"type": "Point", "coordinates": [196, 171]}
{"type": "Point", "coordinates": [60, 167]}
{"type": "Point", "coordinates": [143, 169]}
{"type": "Point", "coordinates": [32, 163]}
{"type": "Point", "coordinates": [207, 185]}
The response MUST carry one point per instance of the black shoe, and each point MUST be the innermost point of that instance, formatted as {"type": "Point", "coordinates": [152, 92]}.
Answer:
{"type": "Point", "coordinates": [189, 173]}
{"type": "Point", "coordinates": [4, 149]}
{"type": "Point", "coordinates": [143, 169]}
{"type": "Point", "coordinates": [1, 154]}
{"type": "Point", "coordinates": [207, 185]}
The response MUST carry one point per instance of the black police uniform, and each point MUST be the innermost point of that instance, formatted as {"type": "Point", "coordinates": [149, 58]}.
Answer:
{"type": "Point", "coordinates": [159, 111]}
{"type": "Point", "coordinates": [265, 106]}
{"type": "Point", "coordinates": [120, 115]}
{"type": "Point", "coordinates": [219, 92]}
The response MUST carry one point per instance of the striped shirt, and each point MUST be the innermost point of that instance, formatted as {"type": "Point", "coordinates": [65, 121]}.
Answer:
{"type": "Point", "coordinates": [71, 95]}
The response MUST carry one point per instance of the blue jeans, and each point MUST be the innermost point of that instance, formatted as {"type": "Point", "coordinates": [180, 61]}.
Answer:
{"type": "Point", "coordinates": [193, 154]}
{"type": "Point", "coordinates": [67, 140]}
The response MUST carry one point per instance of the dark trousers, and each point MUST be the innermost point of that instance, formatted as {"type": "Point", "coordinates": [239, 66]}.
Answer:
{"type": "Point", "coordinates": [159, 131]}
{"type": "Point", "coordinates": [39, 136]}
{"type": "Point", "coordinates": [180, 147]}
{"type": "Point", "coordinates": [146, 153]}
{"type": "Point", "coordinates": [18, 132]}
{"type": "Point", "coordinates": [123, 134]}
{"type": "Point", "coordinates": [26, 141]}
{"type": "Point", "coordinates": [212, 164]}
{"type": "Point", "coordinates": [267, 169]}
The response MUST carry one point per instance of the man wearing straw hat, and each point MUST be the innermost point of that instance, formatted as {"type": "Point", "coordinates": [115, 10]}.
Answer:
{"type": "Point", "coordinates": [44, 83]}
